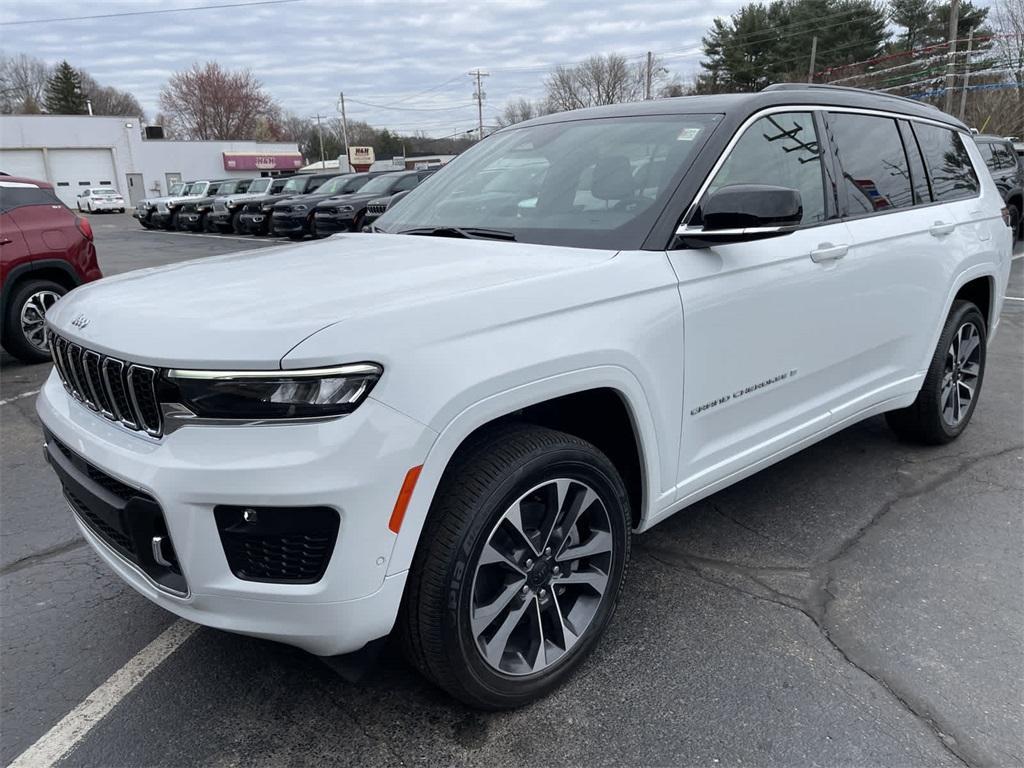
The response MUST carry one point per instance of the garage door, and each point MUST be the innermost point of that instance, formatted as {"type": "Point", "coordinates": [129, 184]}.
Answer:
{"type": "Point", "coordinates": [75, 169]}
{"type": "Point", "coordinates": [23, 162]}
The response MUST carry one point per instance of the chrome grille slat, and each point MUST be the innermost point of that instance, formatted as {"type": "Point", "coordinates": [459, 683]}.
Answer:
{"type": "Point", "coordinates": [121, 391]}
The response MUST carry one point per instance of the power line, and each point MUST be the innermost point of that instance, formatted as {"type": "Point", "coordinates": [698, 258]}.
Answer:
{"type": "Point", "coordinates": [147, 13]}
{"type": "Point", "coordinates": [408, 109]}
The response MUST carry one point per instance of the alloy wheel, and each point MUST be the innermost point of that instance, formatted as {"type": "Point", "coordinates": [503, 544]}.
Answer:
{"type": "Point", "coordinates": [33, 312]}
{"type": "Point", "coordinates": [541, 577]}
{"type": "Point", "coordinates": [960, 377]}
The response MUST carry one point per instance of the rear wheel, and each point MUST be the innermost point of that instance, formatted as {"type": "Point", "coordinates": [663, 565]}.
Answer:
{"type": "Point", "coordinates": [172, 222]}
{"type": "Point", "coordinates": [24, 329]}
{"type": "Point", "coordinates": [949, 394]}
{"type": "Point", "coordinates": [519, 567]}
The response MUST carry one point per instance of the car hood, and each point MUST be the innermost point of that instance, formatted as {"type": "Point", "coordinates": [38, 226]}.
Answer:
{"type": "Point", "coordinates": [247, 310]}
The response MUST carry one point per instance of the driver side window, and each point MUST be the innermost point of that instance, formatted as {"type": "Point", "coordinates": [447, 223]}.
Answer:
{"type": "Point", "coordinates": [780, 150]}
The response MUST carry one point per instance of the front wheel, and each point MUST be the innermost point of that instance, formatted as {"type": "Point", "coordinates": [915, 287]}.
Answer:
{"type": "Point", "coordinates": [949, 394]}
{"type": "Point", "coordinates": [519, 566]}
{"type": "Point", "coordinates": [24, 329]}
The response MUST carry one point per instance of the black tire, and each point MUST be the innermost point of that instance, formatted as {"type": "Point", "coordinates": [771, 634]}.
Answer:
{"type": "Point", "coordinates": [172, 222]}
{"type": "Point", "coordinates": [922, 421]}
{"type": "Point", "coordinates": [14, 339]}
{"type": "Point", "coordinates": [488, 475]}
{"type": "Point", "coordinates": [236, 227]}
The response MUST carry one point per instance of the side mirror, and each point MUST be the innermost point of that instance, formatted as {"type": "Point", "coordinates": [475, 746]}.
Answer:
{"type": "Point", "coordinates": [742, 212]}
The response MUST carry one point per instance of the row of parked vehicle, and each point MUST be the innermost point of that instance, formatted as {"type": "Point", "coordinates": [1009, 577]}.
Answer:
{"type": "Point", "coordinates": [299, 206]}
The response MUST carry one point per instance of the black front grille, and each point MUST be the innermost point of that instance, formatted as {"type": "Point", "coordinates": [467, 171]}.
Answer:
{"type": "Point", "coordinates": [107, 532]}
{"type": "Point", "coordinates": [122, 391]}
{"type": "Point", "coordinates": [376, 209]}
{"type": "Point", "coordinates": [277, 544]}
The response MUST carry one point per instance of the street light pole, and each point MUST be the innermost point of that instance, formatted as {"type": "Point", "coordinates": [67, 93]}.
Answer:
{"type": "Point", "coordinates": [344, 130]}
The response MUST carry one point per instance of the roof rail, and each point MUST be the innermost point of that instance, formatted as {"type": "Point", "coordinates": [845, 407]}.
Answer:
{"type": "Point", "coordinates": [844, 89]}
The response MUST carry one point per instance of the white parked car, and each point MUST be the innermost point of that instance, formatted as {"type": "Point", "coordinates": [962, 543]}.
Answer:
{"type": "Point", "coordinates": [97, 199]}
{"type": "Point", "coordinates": [449, 429]}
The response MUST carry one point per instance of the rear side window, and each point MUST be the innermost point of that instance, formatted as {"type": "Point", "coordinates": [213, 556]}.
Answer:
{"type": "Point", "coordinates": [998, 157]}
{"type": "Point", "coordinates": [18, 197]}
{"type": "Point", "coordinates": [876, 173]}
{"type": "Point", "coordinates": [949, 165]}
{"type": "Point", "coordinates": [404, 185]}
{"type": "Point", "coordinates": [779, 150]}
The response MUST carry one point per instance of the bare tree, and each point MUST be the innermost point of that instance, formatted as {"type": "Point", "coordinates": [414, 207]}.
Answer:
{"type": "Point", "coordinates": [608, 79]}
{"type": "Point", "coordinates": [22, 84]}
{"type": "Point", "coordinates": [210, 102]}
{"type": "Point", "coordinates": [520, 110]}
{"type": "Point", "coordinates": [107, 100]}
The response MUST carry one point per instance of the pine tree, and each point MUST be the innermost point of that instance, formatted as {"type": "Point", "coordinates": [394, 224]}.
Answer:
{"type": "Point", "coordinates": [64, 91]}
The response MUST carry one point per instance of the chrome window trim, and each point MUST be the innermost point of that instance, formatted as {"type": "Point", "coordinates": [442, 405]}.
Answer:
{"type": "Point", "coordinates": [353, 369]}
{"type": "Point", "coordinates": [685, 229]}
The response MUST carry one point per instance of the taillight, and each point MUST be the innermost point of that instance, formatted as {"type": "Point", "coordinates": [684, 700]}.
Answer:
{"type": "Point", "coordinates": [84, 227]}
{"type": "Point", "coordinates": [1006, 217]}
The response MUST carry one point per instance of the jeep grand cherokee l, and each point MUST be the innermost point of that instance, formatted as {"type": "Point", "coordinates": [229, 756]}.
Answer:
{"type": "Point", "coordinates": [449, 428]}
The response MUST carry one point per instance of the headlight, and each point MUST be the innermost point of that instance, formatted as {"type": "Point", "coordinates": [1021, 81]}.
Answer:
{"type": "Point", "coordinates": [271, 394]}
{"type": "Point", "coordinates": [299, 207]}
{"type": "Point", "coordinates": [232, 205]}
{"type": "Point", "coordinates": [203, 208]}
{"type": "Point", "coordinates": [267, 208]}
{"type": "Point", "coordinates": [172, 206]}
{"type": "Point", "coordinates": [346, 208]}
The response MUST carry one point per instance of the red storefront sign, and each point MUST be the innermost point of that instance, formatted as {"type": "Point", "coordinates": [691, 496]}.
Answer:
{"type": "Point", "coordinates": [270, 161]}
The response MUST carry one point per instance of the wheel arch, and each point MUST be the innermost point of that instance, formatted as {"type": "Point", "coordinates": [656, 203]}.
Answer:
{"type": "Point", "coordinates": [560, 402]}
{"type": "Point", "coordinates": [56, 270]}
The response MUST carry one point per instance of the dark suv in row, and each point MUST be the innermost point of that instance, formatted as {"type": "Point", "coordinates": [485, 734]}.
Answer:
{"type": "Point", "coordinates": [294, 217]}
{"type": "Point", "coordinates": [254, 218]}
{"type": "Point", "coordinates": [1007, 168]}
{"type": "Point", "coordinates": [346, 214]}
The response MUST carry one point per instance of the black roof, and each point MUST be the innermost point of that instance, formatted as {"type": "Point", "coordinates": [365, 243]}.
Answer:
{"type": "Point", "coordinates": [781, 94]}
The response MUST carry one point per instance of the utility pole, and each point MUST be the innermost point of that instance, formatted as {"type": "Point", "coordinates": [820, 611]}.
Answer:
{"type": "Point", "coordinates": [320, 131]}
{"type": "Point", "coordinates": [954, 22]}
{"type": "Point", "coordinates": [344, 130]}
{"type": "Point", "coordinates": [967, 73]}
{"type": "Point", "coordinates": [479, 96]}
{"type": "Point", "coordinates": [647, 78]}
{"type": "Point", "coordinates": [814, 55]}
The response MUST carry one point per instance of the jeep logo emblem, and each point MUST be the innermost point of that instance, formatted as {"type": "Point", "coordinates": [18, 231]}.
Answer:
{"type": "Point", "coordinates": [80, 322]}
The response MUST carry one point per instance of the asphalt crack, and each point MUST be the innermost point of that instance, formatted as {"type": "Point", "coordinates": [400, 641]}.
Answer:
{"type": "Point", "coordinates": [820, 576]}
{"type": "Point", "coordinates": [29, 560]}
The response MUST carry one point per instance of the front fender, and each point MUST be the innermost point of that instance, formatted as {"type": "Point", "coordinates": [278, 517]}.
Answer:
{"type": "Point", "coordinates": [503, 403]}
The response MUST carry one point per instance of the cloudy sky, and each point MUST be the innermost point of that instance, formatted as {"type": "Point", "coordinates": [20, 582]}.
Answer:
{"type": "Point", "coordinates": [407, 60]}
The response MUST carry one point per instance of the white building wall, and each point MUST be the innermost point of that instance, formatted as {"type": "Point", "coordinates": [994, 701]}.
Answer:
{"type": "Point", "coordinates": [23, 138]}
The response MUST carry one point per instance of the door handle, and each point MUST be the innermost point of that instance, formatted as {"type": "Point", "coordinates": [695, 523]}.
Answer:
{"type": "Point", "coordinates": [828, 252]}
{"type": "Point", "coordinates": [5, 240]}
{"type": "Point", "coordinates": [941, 228]}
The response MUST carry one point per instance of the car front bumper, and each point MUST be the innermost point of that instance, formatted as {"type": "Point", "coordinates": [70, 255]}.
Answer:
{"type": "Point", "coordinates": [289, 224]}
{"type": "Point", "coordinates": [191, 221]}
{"type": "Point", "coordinates": [355, 465]}
{"type": "Point", "coordinates": [253, 223]}
{"type": "Point", "coordinates": [329, 223]}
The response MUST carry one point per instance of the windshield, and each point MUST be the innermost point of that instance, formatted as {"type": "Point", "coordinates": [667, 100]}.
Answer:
{"type": "Point", "coordinates": [197, 188]}
{"type": "Point", "coordinates": [585, 183]}
{"type": "Point", "coordinates": [336, 185]}
{"type": "Point", "coordinates": [228, 188]}
{"type": "Point", "coordinates": [260, 185]}
{"type": "Point", "coordinates": [176, 189]}
{"type": "Point", "coordinates": [295, 184]}
{"type": "Point", "coordinates": [379, 185]}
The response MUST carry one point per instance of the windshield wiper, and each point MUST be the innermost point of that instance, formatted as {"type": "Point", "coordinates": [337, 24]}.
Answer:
{"type": "Point", "coordinates": [470, 233]}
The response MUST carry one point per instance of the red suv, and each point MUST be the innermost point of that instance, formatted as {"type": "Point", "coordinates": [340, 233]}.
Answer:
{"type": "Point", "coordinates": [45, 251]}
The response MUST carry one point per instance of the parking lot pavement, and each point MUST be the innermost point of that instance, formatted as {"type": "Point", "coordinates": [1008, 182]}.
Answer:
{"type": "Point", "coordinates": [857, 604]}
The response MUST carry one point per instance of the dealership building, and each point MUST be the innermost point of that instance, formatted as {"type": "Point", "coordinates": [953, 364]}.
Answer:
{"type": "Point", "coordinates": [77, 151]}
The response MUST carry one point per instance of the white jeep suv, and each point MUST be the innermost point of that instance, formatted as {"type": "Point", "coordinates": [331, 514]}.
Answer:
{"type": "Point", "coordinates": [450, 427]}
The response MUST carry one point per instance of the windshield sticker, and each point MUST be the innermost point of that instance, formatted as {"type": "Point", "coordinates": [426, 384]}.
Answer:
{"type": "Point", "coordinates": [688, 134]}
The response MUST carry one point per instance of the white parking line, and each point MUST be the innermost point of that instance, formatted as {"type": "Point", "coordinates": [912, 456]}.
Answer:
{"type": "Point", "coordinates": [77, 723]}
{"type": "Point", "coordinates": [22, 396]}
{"type": "Point", "coordinates": [252, 240]}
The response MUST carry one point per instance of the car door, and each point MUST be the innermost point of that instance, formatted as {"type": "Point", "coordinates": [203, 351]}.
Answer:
{"type": "Point", "coordinates": [894, 275]}
{"type": "Point", "coordinates": [765, 344]}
